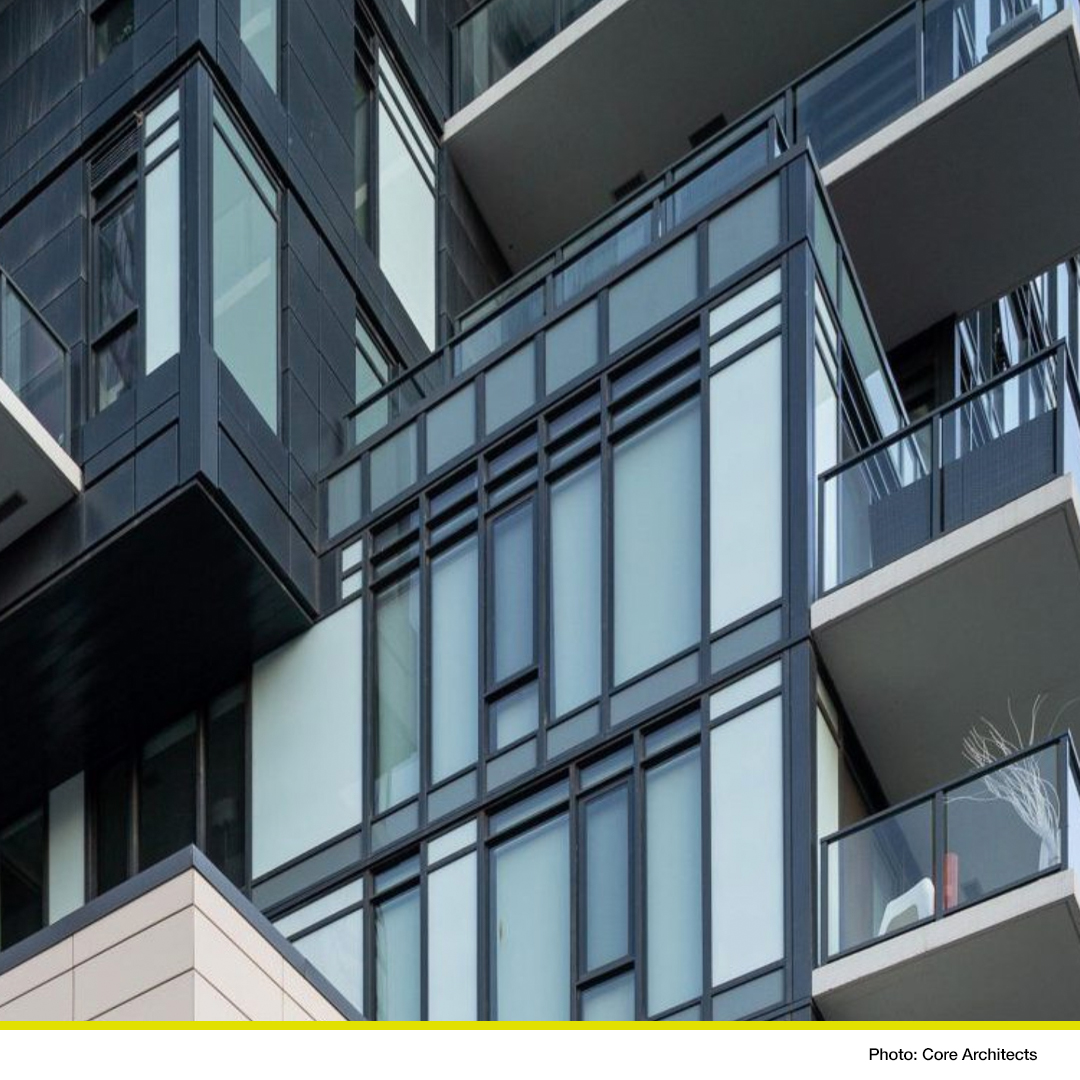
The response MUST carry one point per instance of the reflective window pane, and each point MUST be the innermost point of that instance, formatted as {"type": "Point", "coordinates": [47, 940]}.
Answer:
{"type": "Point", "coordinates": [514, 716]}
{"type": "Point", "coordinates": [452, 915]}
{"type": "Point", "coordinates": [163, 262]}
{"type": "Point", "coordinates": [744, 232]}
{"type": "Point", "coordinates": [113, 23]}
{"type": "Point", "coordinates": [258, 31]}
{"type": "Point", "coordinates": [337, 950]}
{"type": "Point", "coordinates": [115, 364]}
{"type": "Point", "coordinates": [397, 659]}
{"type": "Point", "coordinates": [67, 847]}
{"type": "Point", "coordinates": [167, 793]}
{"type": "Point", "coordinates": [406, 217]}
{"type": "Point", "coordinates": [245, 286]}
{"type": "Point", "coordinates": [657, 524]}
{"type": "Point", "coordinates": [651, 293]}
{"type": "Point", "coordinates": [673, 881]}
{"type": "Point", "coordinates": [226, 795]}
{"type": "Point", "coordinates": [397, 957]}
{"type": "Point", "coordinates": [512, 539]}
{"type": "Point", "coordinates": [575, 589]}
{"type": "Point", "coordinates": [455, 660]}
{"type": "Point", "coordinates": [361, 152]}
{"type": "Point", "coordinates": [451, 427]}
{"type": "Point", "coordinates": [531, 912]}
{"type": "Point", "coordinates": [607, 877]}
{"type": "Point", "coordinates": [112, 815]}
{"type": "Point", "coordinates": [611, 1000]}
{"type": "Point", "coordinates": [116, 286]}
{"type": "Point", "coordinates": [510, 387]}
{"type": "Point", "coordinates": [22, 879]}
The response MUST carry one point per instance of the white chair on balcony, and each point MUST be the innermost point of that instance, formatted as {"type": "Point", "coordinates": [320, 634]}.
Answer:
{"type": "Point", "coordinates": [910, 907]}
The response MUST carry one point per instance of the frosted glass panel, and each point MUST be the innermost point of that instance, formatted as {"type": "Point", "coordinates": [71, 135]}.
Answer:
{"type": "Point", "coordinates": [531, 910]}
{"type": "Point", "coordinates": [163, 262]}
{"type": "Point", "coordinates": [397, 957]}
{"type": "Point", "coordinates": [337, 950]}
{"type": "Point", "coordinates": [658, 541]}
{"type": "Point", "coordinates": [305, 740]}
{"type": "Point", "coordinates": [673, 881]}
{"type": "Point", "coordinates": [611, 1000]}
{"type": "Point", "coordinates": [397, 620]}
{"type": "Point", "coordinates": [572, 346]}
{"type": "Point", "coordinates": [512, 536]}
{"type": "Point", "coordinates": [746, 485]}
{"type": "Point", "coordinates": [455, 660]}
{"type": "Point", "coordinates": [575, 589]}
{"type": "Point", "coordinates": [67, 847]}
{"type": "Point", "coordinates": [745, 231]}
{"type": "Point", "coordinates": [452, 941]}
{"type": "Point", "coordinates": [747, 804]}
{"type": "Point", "coordinates": [651, 293]}
{"type": "Point", "coordinates": [607, 876]}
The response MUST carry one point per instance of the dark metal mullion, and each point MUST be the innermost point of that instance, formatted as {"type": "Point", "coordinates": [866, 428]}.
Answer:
{"type": "Point", "coordinates": [578, 844]}
{"type": "Point", "coordinates": [705, 763]}
{"type": "Point", "coordinates": [638, 912]}
{"type": "Point", "coordinates": [485, 908]}
{"type": "Point", "coordinates": [202, 761]}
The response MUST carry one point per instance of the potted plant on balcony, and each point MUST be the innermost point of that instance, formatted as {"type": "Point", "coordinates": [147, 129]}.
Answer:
{"type": "Point", "coordinates": [1021, 784]}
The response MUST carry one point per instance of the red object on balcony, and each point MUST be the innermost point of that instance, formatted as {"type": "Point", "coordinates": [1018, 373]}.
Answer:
{"type": "Point", "coordinates": [951, 883]}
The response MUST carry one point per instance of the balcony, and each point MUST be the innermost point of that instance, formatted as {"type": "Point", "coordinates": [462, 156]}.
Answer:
{"type": "Point", "coordinates": [950, 567]}
{"type": "Point", "coordinates": [960, 904]}
{"type": "Point", "coordinates": [37, 476]}
{"type": "Point", "coordinates": [555, 85]}
{"type": "Point", "coordinates": [939, 95]}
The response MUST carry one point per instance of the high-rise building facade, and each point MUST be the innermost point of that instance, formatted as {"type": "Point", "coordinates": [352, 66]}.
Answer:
{"type": "Point", "coordinates": [538, 509]}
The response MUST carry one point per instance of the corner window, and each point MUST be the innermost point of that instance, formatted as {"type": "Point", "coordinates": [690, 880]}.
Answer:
{"type": "Point", "coordinates": [259, 33]}
{"type": "Point", "coordinates": [245, 242]}
{"type": "Point", "coordinates": [135, 310]}
{"type": "Point", "coordinates": [112, 23]}
{"type": "Point", "coordinates": [185, 785]}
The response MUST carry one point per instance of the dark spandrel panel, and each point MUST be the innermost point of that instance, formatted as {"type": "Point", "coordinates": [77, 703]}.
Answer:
{"type": "Point", "coordinates": [651, 293]}
{"type": "Point", "coordinates": [570, 733]}
{"type": "Point", "coordinates": [513, 763]}
{"type": "Point", "coordinates": [451, 427]}
{"type": "Point", "coordinates": [394, 826]}
{"type": "Point", "coordinates": [452, 795]}
{"type": "Point", "coordinates": [315, 868]}
{"type": "Point", "coordinates": [750, 998]}
{"type": "Point", "coordinates": [608, 1001]}
{"type": "Point", "coordinates": [747, 640]}
{"type": "Point", "coordinates": [393, 465]}
{"type": "Point", "coordinates": [572, 346]}
{"type": "Point", "coordinates": [514, 716]}
{"type": "Point", "coordinates": [744, 232]}
{"type": "Point", "coordinates": [22, 879]}
{"type": "Point", "coordinates": [167, 793]}
{"type": "Point", "coordinates": [655, 688]}
{"type": "Point", "coordinates": [510, 388]}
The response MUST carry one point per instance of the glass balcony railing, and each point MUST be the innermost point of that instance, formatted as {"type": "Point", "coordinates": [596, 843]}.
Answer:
{"type": "Point", "coordinates": [911, 56]}
{"type": "Point", "coordinates": [965, 842]}
{"type": "Point", "coordinates": [986, 448]}
{"type": "Point", "coordinates": [34, 363]}
{"type": "Point", "coordinates": [584, 262]}
{"type": "Point", "coordinates": [496, 36]}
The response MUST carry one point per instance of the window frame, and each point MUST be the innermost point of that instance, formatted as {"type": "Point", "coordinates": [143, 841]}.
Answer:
{"type": "Point", "coordinates": [130, 761]}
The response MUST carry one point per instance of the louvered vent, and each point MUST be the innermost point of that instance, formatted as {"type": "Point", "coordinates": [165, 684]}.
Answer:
{"type": "Point", "coordinates": [114, 155]}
